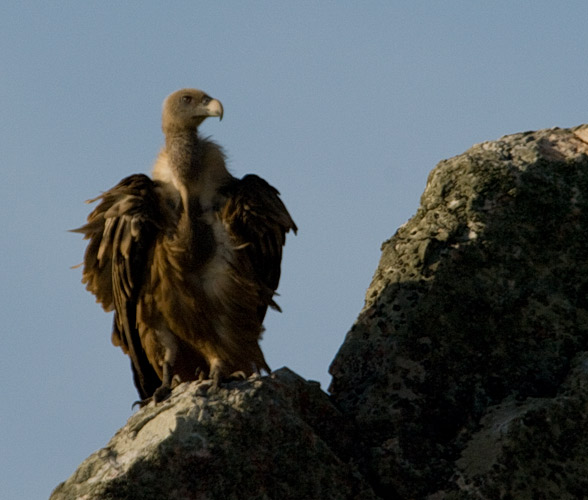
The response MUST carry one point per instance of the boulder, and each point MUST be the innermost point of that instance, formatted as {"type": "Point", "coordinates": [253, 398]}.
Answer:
{"type": "Point", "coordinates": [275, 437]}
{"type": "Point", "coordinates": [464, 371]}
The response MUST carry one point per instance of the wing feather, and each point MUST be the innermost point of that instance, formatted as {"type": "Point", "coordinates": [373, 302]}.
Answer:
{"type": "Point", "coordinates": [259, 221]}
{"type": "Point", "coordinates": [122, 230]}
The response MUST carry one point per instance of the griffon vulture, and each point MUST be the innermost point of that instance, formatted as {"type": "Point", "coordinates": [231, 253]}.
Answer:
{"type": "Point", "coordinates": [188, 260]}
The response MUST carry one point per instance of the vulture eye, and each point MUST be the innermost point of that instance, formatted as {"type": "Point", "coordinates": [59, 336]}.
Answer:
{"type": "Point", "coordinates": [186, 99]}
{"type": "Point", "coordinates": [206, 99]}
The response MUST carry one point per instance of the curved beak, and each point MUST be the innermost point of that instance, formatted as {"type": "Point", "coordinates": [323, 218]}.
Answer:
{"type": "Point", "coordinates": [215, 108]}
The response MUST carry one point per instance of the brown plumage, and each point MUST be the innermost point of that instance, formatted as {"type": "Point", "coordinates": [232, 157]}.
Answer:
{"type": "Point", "coordinates": [189, 260]}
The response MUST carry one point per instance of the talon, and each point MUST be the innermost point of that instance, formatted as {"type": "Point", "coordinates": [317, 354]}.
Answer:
{"type": "Point", "coordinates": [238, 375]}
{"type": "Point", "coordinates": [141, 403]}
{"type": "Point", "coordinates": [199, 374]}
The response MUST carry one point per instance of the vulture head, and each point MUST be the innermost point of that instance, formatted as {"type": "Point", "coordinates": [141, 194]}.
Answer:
{"type": "Point", "coordinates": [186, 109]}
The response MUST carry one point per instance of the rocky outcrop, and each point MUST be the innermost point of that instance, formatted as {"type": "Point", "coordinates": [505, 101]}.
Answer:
{"type": "Point", "coordinates": [465, 375]}
{"type": "Point", "coordinates": [273, 438]}
{"type": "Point", "coordinates": [465, 372]}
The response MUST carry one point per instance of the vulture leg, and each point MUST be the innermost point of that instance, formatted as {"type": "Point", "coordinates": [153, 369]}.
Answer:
{"type": "Point", "coordinates": [166, 339]}
{"type": "Point", "coordinates": [170, 344]}
{"type": "Point", "coordinates": [217, 369]}
{"type": "Point", "coordinates": [164, 390]}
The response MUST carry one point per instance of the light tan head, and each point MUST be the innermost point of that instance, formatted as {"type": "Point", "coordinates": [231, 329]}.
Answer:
{"type": "Point", "coordinates": [187, 108]}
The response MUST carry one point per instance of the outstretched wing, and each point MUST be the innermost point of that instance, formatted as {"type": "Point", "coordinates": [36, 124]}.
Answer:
{"type": "Point", "coordinates": [259, 221]}
{"type": "Point", "coordinates": [122, 230]}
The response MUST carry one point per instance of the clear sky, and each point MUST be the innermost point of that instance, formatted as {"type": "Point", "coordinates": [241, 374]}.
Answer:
{"type": "Point", "coordinates": [344, 106]}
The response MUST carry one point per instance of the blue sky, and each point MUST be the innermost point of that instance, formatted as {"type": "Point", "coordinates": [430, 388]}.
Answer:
{"type": "Point", "coordinates": [344, 106]}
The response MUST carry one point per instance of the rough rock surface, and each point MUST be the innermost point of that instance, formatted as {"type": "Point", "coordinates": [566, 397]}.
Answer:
{"type": "Point", "coordinates": [466, 371]}
{"type": "Point", "coordinates": [275, 437]}
{"type": "Point", "coordinates": [464, 377]}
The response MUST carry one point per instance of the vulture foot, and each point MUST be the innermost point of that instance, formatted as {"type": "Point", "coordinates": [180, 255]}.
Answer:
{"type": "Point", "coordinates": [208, 385]}
{"type": "Point", "coordinates": [161, 394]}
